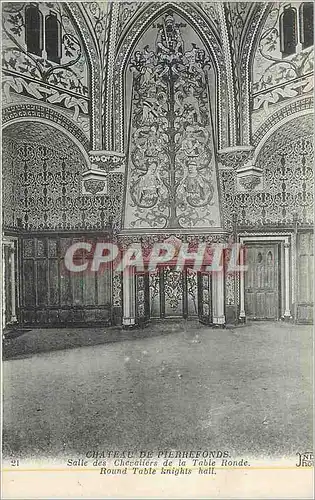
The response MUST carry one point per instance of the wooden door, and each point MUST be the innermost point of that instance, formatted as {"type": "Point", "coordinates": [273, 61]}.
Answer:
{"type": "Point", "coordinates": [262, 282]}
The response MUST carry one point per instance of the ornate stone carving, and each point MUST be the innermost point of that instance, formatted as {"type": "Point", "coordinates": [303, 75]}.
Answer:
{"type": "Point", "coordinates": [94, 182]}
{"type": "Point", "coordinates": [300, 105]}
{"type": "Point", "coordinates": [94, 186]}
{"type": "Point", "coordinates": [250, 182]}
{"type": "Point", "coordinates": [148, 240]}
{"type": "Point", "coordinates": [107, 160]}
{"type": "Point", "coordinates": [41, 111]}
{"type": "Point", "coordinates": [249, 177]}
{"type": "Point", "coordinates": [235, 157]}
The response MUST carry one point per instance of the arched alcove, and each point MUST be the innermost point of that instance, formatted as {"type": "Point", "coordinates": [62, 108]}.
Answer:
{"type": "Point", "coordinates": [287, 159]}
{"type": "Point", "coordinates": [201, 26]}
{"type": "Point", "coordinates": [170, 88]}
{"type": "Point", "coordinates": [43, 188]}
{"type": "Point", "coordinates": [44, 213]}
{"type": "Point", "coordinates": [42, 170]}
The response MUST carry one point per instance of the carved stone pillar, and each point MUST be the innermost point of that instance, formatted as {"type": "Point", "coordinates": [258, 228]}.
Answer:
{"type": "Point", "coordinates": [8, 270]}
{"type": "Point", "coordinates": [242, 286]}
{"type": "Point", "coordinates": [287, 312]}
{"type": "Point", "coordinates": [129, 298]}
{"type": "Point", "coordinates": [218, 298]}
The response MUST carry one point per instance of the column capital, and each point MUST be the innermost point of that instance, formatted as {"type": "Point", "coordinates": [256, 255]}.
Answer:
{"type": "Point", "coordinates": [102, 163]}
{"type": "Point", "coordinates": [109, 161]}
{"type": "Point", "coordinates": [241, 159]}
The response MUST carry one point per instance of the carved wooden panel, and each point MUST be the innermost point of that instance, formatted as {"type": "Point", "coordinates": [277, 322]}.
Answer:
{"type": "Point", "coordinates": [52, 295]}
{"type": "Point", "coordinates": [172, 293]}
{"type": "Point", "coordinates": [204, 298]}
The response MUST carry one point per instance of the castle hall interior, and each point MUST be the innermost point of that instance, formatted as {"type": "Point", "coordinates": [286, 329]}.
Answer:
{"type": "Point", "coordinates": [157, 181]}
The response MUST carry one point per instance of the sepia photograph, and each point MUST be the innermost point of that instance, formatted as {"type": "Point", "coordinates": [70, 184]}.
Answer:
{"type": "Point", "coordinates": [157, 187]}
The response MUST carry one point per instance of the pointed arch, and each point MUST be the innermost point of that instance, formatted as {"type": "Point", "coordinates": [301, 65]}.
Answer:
{"type": "Point", "coordinates": [94, 62]}
{"type": "Point", "coordinates": [18, 114]}
{"type": "Point", "coordinates": [200, 24]}
{"type": "Point", "coordinates": [249, 41]}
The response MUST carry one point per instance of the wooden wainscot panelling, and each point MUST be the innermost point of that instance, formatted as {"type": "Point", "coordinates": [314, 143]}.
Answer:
{"type": "Point", "coordinates": [305, 278]}
{"type": "Point", "coordinates": [51, 295]}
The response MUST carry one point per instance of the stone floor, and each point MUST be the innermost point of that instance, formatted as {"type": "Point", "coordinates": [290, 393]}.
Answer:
{"type": "Point", "coordinates": [175, 386]}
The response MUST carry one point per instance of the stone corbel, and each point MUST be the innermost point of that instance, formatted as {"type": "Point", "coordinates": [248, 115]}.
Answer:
{"type": "Point", "coordinates": [234, 157]}
{"type": "Point", "coordinates": [249, 178]}
{"type": "Point", "coordinates": [94, 180]}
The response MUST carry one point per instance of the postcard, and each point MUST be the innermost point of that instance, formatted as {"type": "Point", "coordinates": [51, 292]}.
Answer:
{"type": "Point", "coordinates": [157, 249]}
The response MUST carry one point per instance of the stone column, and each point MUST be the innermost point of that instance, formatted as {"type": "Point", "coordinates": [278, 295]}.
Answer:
{"type": "Point", "coordinates": [129, 297]}
{"type": "Point", "coordinates": [218, 298]}
{"type": "Point", "coordinates": [242, 287]}
{"type": "Point", "coordinates": [287, 312]}
{"type": "Point", "coordinates": [13, 283]}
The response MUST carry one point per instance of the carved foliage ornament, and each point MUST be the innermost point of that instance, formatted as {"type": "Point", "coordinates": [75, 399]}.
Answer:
{"type": "Point", "coordinates": [250, 182]}
{"type": "Point", "coordinates": [235, 157]}
{"type": "Point", "coordinates": [107, 160]}
{"type": "Point", "coordinates": [94, 186]}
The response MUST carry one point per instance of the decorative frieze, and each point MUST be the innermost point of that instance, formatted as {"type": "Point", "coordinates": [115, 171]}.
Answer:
{"type": "Point", "coordinates": [108, 161]}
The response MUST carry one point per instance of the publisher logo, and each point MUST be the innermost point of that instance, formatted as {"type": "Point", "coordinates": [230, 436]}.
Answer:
{"type": "Point", "coordinates": [305, 459]}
